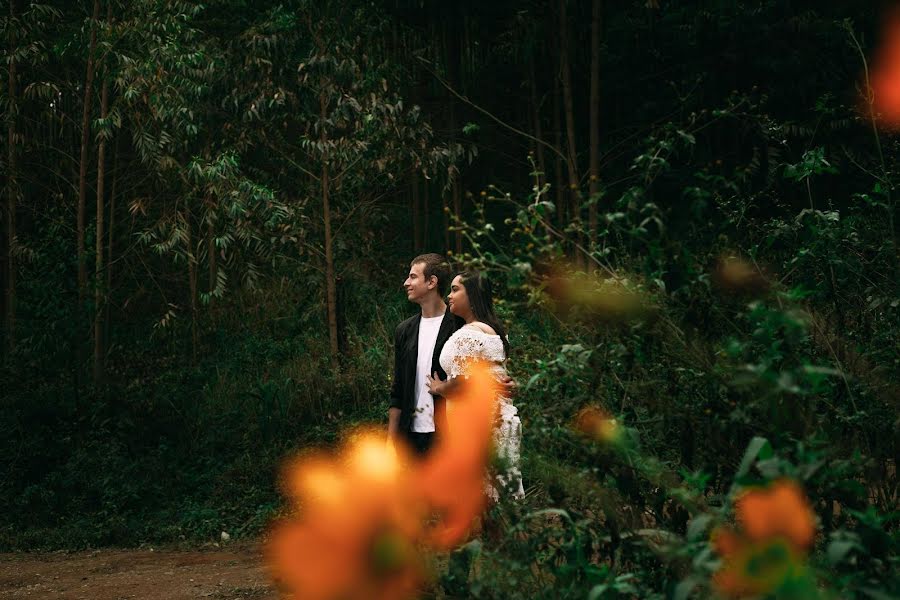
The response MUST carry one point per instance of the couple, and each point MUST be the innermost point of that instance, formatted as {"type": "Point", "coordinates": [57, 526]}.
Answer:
{"type": "Point", "coordinates": [434, 348]}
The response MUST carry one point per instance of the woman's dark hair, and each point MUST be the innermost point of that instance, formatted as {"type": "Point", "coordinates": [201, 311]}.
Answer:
{"type": "Point", "coordinates": [480, 293]}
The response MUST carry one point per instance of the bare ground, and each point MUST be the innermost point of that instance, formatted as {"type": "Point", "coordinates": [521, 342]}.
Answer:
{"type": "Point", "coordinates": [235, 572]}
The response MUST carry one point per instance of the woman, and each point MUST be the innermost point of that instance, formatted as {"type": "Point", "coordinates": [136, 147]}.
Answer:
{"type": "Point", "coordinates": [482, 338]}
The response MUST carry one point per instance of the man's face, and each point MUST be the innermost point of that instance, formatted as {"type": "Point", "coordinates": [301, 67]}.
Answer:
{"type": "Point", "coordinates": [416, 285]}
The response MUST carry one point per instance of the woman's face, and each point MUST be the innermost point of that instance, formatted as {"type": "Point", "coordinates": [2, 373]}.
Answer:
{"type": "Point", "coordinates": [458, 300]}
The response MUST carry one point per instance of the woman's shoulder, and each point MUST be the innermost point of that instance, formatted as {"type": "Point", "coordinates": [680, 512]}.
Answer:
{"type": "Point", "coordinates": [481, 327]}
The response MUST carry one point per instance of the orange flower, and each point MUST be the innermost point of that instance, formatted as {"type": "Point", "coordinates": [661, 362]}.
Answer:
{"type": "Point", "coordinates": [725, 542]}
{"type": "Point", "coordinates": [777, 528]}
{"type": "Point", "coordinates": [361, 523]}
{"type": "Point", "coordinates": [610, 299]}
{"type": "Point", "coordinates": [597, 424]}
{"type": "Point", "coordinates": [757, 569]}
{"type": "Point", "coordinates": [735, 275]}
{"type": "Point", "coordinates": [884, 91]}
{"type": "Point", "coordinates": [313, 480]}
{"type": "Point", "coordinates": [781, 510]}
{"type": "Point", "coordinates": [452, 479]}
{"type": "Point", "coordinates": [368, 553]}
{"type": "Point", "coordinates": [362, 526]}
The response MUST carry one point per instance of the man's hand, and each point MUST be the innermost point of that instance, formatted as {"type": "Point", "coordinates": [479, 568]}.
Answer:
{"type": "Point", "coordinates": [390, 446]}
{"type": "Point", "coordinates": [510, 387]}
{"type": "Point", "coordinates": [435, 386]}
{"type": "Point", "coordinates": [393, 423]}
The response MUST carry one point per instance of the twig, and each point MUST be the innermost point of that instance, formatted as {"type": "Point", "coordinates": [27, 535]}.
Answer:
{"type": "Point", "coordinates": [488, 114]}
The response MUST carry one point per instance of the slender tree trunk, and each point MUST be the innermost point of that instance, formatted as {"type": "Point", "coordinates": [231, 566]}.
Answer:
{"type": "Point", "coordinates": [559, 182]}
{"type": "Point", "coordinates": [330, 284]}
{"type": "Point", "coordinates": [99, 301]}
{"type": "Point", "coordinates": [426, 243]}
{"type": "Point", "coordinates": [192, 283]}
{"type": "Point", "coordinates": [416, 217]}
{"type": "Point", "coordinates": [83, 165]}
{"type": "Point", "coordinates": [457, 210]}
{"type": "Point", "coordinates": [211, 256]}
{"type": "Point", "coordinates": [110, 237]}
{"type": "Point", "coordinates": [446, 221]}
{"type": "Point", "coordinates": [538, 134]}
{"type": "Point", "coordinates": [569, 110]}
{"type": "Point", "coordinates": [454, 58]}
{"type": "Point", "coordinates": [12, 191]}
{"type": "Point", "coordinates": [536, 120]}
{"type": "Point", "coordinates": [594, 168]}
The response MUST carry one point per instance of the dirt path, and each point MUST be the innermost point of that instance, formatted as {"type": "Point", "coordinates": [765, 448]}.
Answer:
{"type": "Point", "coordinates": [231, 573]}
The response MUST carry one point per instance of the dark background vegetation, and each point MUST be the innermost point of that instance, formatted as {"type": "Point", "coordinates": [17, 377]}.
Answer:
{"type": "Point", "coordinates": [258, 175]}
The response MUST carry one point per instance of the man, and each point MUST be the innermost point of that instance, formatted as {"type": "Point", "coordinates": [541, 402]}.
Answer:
{"type": "Point", "coordinates": [415, 416]}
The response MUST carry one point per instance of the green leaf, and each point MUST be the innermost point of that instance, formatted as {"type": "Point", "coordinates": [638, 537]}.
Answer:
{"type": "Point", "coordinates": [876, 594]}
{"type": "Point", "coordinates": [684, 588]}
{"type": "Point", "coordinates": [838, 550]}
{"type": "Point", "coordinates": [759, 447]}
{"type": "Point", "coordinates": [697, 526]}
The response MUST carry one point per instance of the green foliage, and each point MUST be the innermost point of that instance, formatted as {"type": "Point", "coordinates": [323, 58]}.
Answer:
{"type": "Point", "coordinates": [734, 310]}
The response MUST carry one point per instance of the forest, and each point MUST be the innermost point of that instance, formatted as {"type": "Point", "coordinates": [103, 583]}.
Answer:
{"type": "Point", "coordinates": [687, 209]}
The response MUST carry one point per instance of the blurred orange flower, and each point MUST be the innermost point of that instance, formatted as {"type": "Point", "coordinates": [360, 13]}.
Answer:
{"type": "Point", "coordinates": [368, 553]}
{"type": "Point", "coordinates": [884, 84]}
{"type": "Point", "coordinates": [733, 274]}
{"type": "Point", "coordinates": [359, 530]}
{"type": "Point", "coordinates": [612, 299]}
{"type": "Point", "coordinates": [452, 479]}
{"type": "Point", "coordinates": [362, 530]}
{"type": "Point", "coordinates": [756, 569]}
{"type": "Point", "coordinates": [780, 510]}
{"type": "Point", "coordinates": [777, 528]}
{"type": "Point", "coordinates": [597, 424]}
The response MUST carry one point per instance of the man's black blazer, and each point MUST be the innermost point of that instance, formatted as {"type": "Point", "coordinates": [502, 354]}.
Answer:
{"type": "Point", "coordinates": [406, 355]}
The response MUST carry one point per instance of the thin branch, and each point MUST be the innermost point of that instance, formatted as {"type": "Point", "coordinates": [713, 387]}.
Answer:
{"type": "Point", "coordinates": [488, 114]}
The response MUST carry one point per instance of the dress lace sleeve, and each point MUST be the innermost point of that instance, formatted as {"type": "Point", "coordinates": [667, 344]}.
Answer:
{"type": "Point", "coordinates": [464, 350]}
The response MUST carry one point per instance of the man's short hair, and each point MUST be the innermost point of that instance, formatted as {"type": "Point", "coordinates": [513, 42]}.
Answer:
{"type": "Point", "coordinates": [437, 265]}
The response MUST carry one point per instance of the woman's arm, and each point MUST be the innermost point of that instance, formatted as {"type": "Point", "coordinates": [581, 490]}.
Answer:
{"type": "Point", "coordinates": [438, 387]}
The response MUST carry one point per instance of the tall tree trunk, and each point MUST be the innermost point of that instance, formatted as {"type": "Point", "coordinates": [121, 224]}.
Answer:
{"type": "Point", "coordinates": [110, 236]}
{"type": "Point", "coordinates": [416, 217]}
{"type": "Point", "coordinates": [426, 240]}
{"type": "Point", "coordinates": [192, 283]}
{"type": "Point", "coordinates": [536, 121]}
{"type": "Point", "coordinates": [12, 191]}
{"type": "Point", "coordinates": [83, 165]}
{"type": "Point", "coordinates": [568, 107]}
{"type": "Point", "coordinates": [594, 168]}
{"type": "Point", "coordinates": [99, 296]}
{"type": "Point", "coordinates": [211, 256]}
{"type": "Point", "coordinates": [457, 210]}
{"type": "Point", "coordinates": [454, 58]}
{"type": "Point", "coordinates": [558, 181]}
{"type": "Point", "coordinates": [445, 211]}
{"type": "Point", "coordinates": [330, 284]}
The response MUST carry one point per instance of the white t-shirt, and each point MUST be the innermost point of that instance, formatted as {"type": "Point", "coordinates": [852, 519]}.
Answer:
{"type": "Point", "coordinates": [423, 416]}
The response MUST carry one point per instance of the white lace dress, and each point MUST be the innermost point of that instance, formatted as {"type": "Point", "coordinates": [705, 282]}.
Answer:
{"type": "Point", "coordinates": [464, 347]}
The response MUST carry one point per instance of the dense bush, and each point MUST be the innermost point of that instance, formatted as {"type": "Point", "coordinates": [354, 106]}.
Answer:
{"type": "Point", "coordinates": [734, 309]}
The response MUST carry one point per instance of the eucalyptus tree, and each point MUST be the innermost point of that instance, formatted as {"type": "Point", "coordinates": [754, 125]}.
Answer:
{"type": "Point", "coordinates": [25, 28]}
{"type": "Point", "coordinates": [11, 181]}
{"type": "Point", "coordinates": [87, 105]}
{"type": "Point", "coordinates": [168, 75]}
{"type": "Point", "coordinates": [364, 140]}
{"type": "Point", "coordinates": [101, 278]}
